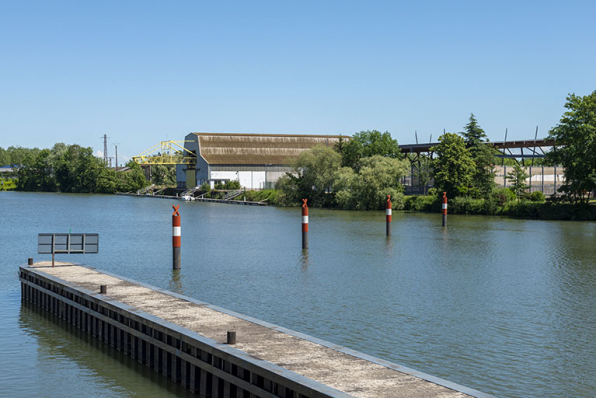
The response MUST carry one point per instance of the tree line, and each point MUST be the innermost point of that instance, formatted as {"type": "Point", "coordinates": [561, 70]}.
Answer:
{"type": "Point", "coordinates": [69, 168]}
{"type": "Point", "coordinates": [359, 173]}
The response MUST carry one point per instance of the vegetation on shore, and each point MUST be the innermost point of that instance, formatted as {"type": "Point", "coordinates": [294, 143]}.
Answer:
{"type": "Point", "coordinates": [360, 172]}
{"type": "Point", "coordinates": [69, 168]}
{"type": "Point", "coordinates": [357, 175]}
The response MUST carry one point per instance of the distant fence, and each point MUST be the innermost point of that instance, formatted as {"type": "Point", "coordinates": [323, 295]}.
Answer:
{"type": "Point", "coordinates": [542, 178]}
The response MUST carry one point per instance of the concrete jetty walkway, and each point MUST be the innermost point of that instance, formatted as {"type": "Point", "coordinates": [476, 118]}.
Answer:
{"type": "Point", "coordinates": [335, 370]}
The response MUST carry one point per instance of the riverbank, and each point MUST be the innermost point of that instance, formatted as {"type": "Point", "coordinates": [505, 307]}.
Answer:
{"type": "Point", "coordinates": [499, 204]}
{"type": "Point", "coordinates": [524, 209]}
{"type": "Point", "coordinates": [496, 206]}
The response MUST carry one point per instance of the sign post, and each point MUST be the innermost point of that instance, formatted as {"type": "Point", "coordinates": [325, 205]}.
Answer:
{"type": "Point", "coordinates": [67, 244]}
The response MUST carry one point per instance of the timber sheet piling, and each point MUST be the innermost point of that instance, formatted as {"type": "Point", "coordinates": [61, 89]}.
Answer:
{"type": "Point", "coordinates": [185, 340]}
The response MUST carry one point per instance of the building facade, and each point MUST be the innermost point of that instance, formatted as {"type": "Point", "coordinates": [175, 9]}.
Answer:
{"type": "Point", "coordinates": [257, 161]}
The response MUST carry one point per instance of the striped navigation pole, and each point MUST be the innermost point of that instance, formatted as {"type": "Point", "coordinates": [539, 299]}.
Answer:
{"type": "Point", "coordinates": [176, 237]}
{"type": "Point", "coordinates": [304, 224]}
{"type": "Point", "coordinates": [388, 214]}
{"type": "Point", "coordinates": [444, 207]}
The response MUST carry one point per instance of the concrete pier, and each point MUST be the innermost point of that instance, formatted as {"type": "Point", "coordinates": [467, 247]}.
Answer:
{"type": "Point", "coordinates": [187, 341]}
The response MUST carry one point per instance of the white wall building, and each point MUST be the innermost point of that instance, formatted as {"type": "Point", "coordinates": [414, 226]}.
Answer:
{"type": "Point", "coordinates": [257, 161]}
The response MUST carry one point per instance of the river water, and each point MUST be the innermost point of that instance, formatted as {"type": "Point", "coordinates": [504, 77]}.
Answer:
{"type": "Point", "coordinates": [504, 306]}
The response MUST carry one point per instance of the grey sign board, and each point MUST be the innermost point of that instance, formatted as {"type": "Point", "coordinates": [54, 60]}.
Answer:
{"type": "Point", "coordinates": [68, 244]}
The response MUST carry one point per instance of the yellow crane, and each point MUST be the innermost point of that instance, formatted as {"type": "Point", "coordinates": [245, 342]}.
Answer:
{"type": "Point", "coordinates": [166, 152]}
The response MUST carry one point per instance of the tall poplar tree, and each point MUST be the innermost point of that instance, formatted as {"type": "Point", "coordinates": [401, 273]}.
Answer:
{"type": "Point", "coordinates": [454, 168]}
{"type": "Point", "coordinates": [483, 156]}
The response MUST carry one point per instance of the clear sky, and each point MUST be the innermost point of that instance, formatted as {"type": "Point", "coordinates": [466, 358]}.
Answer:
{"type": "Point", "coordinates": [146, 71]}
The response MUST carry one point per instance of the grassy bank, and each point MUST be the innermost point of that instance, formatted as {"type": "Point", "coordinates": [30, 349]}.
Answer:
{"type": "Point", "coordinates": [7, 184]}
{"type": "Point", "coordinates": [501, 203]}
{"type": "Point", "coordinates": [540, 210]}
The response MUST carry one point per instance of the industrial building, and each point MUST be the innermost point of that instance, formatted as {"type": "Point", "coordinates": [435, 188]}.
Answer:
{"type": "Point", "coordinates": [257, 161]}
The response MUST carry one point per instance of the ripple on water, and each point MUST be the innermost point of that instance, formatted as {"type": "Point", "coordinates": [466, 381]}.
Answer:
{"type": "Point", "coordinates": [504, 306]}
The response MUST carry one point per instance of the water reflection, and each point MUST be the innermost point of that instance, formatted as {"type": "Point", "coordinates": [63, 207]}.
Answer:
{"type": "Point", "coordinates": [304, 260]}
{"type": "Point", "coordinates": [175, 284]}
{"type": "Point", "coordinates": [389, 246]}
{"type": "Point", "coordinates": [502, 305]}
{"type": "Point", "coordinates": [93, 366]}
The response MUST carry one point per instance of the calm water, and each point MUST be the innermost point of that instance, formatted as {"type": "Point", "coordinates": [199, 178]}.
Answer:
{"type": "Point", "coordinates": [504, 306]}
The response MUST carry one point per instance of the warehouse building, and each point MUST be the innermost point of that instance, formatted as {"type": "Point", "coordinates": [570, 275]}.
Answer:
{"type": "Point", "coordinates": [257, 161]}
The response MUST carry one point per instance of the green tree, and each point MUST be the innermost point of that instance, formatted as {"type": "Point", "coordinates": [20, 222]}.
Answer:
{"type": "Point", "coordinates": [20, 156]}
{"type": "Point", "coordinates": [4, 157]}
{"type": "Point", "coordinates": [133, 179]}
{"type": "Point", "coordinates": [367, 188]}
{"type": "Point", "coordinates": [89, 168]}
{"type": "Point", "coordinates": [312, 177]}
{"type": "Point", "coordinates": [37, 174]}
{"type": "Point", "coordinates": [454, 169]}
{"type": "Point", "coordinates": [366, 144]}
{"type": "Point", "coordinates": [108, 181]}
{"type": "Point", "coordinates": [473, 134]}
{"type": "Point", "coordinates": [72, 168]}
{"type": "Point", "coordinates": [575, 146]}
{"type": "Point", "coordinates": [164, 174]}
{"type": "Point", "coordinates": [77, 169]}
{"type": "Point", "coordinates": [518, 178]}
{"type": "Point", "coordinates": [483, 180]}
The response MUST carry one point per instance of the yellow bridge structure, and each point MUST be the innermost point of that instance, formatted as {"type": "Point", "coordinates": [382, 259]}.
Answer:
{"type": "Point", "coordinates": [166, 152]}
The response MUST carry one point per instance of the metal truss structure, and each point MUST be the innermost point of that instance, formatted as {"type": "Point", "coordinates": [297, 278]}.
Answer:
{"type": "Point", "coordinates": [166, 152]}
{"type": "Point", "coordinates": [525, 149]}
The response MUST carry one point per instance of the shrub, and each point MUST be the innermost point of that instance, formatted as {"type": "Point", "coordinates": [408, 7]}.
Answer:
{"type": "Point", "coordinates": [232, 184]}
{"type": "Point", "coordinates": [7, 184]}
{"type": "Point", "coordinates": [466, 205]}
{"type": "Point", "coordinates": [503, 195]}
{"type": "Point", "coordinates": [266, 195]}
{"type": "Point", "coordinates": [398, 201]}
{"type": "Point", "coordinates": [537, 196]}
{"type": "Point", "coordinates": [205, 190]}
{"type": "Point", "coordinates": [491, 206]}
{"type": "Point", "coordinates": [422, 203]}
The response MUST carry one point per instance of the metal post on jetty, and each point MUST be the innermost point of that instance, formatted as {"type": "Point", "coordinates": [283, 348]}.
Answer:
{"type": "Point", "coordinates": [176, 238]}
{"type": "Point", "coordinates": [304, 224]}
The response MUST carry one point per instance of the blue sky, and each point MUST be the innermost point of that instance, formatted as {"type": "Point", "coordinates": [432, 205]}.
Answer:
{"type": "Point", "coordinates": [142, 72]}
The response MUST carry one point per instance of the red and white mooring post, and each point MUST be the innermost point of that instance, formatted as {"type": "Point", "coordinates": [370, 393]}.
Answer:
{"type": "Point", "coordinates": [176, 237]}
{"type": "Point", "coordinates": [304, 224]}
{"type": "Point", "coordinates": [388, 214]}
{"type": "Point", "coordinates": [444, 208]}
